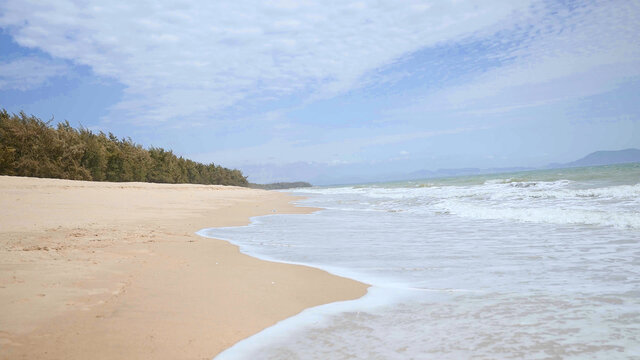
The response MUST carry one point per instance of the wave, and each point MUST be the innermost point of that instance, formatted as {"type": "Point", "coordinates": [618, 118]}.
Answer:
{"type": "Point", "coordinates": [556, 202]}
{"type": "Point", "coordinates": [560, 189]}
{"type": "Point", "coordinates": [630, 220]}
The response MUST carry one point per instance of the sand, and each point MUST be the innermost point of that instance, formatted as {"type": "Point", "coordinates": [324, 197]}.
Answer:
{"type": "Point", "coordinates": [94, 270]}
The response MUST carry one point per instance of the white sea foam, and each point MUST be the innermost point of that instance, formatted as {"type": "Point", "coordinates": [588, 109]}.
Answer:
{"type": "Point", "coordinates": [546, 215]}
{"type": "Point", "coordinates": [553, 202]}
{"type": "Point", "coordinates": [489, 268]}
{"type": "Point", "coordinates": [253, 347]}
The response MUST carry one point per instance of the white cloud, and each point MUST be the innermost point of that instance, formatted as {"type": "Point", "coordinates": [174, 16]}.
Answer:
{"type": "Point", "coordinates": [29, 73]}
{"type": "Point", "coordinates": [187, 61]}
{"type": "Point", "coordinates": [572, 54]}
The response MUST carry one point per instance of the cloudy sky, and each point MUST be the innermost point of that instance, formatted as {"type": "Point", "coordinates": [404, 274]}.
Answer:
{"type": "Point", "coordinates": [333, 91]}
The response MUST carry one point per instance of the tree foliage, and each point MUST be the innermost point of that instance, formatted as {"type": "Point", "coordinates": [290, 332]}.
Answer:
{"type": "Point", "coordinates": [32, 147]}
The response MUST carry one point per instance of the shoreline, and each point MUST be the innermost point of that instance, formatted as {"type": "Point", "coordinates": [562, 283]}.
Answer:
{"type": "Point", "coordinates": [104, 270]}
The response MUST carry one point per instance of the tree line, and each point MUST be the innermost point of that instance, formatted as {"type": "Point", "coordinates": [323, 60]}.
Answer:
{"type": "Point", "coordinates": [32, 147]}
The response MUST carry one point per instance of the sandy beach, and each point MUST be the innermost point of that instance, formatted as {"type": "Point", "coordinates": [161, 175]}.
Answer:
{"type": "Point", "coordinates": [115, 270]}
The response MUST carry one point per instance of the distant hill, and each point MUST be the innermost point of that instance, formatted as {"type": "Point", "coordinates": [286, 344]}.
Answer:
{"type": "Point", "coordinates": [594, 159]}
{"type": "Point", "coordinates": [281, 185]}
{"type": "Point", "coordinates": [605, 158]}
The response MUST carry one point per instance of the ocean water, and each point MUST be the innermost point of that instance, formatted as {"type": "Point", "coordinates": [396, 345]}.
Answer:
{"type": "Point", "coordinates": [531, 265]}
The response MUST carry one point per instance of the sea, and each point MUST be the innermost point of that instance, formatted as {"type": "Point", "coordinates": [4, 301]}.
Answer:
{"type": "Point", "coordinates": [527, 265]}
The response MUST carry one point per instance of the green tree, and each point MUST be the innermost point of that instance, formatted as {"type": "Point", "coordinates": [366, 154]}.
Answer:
{"type": "Point", "coordinates": [32, 147]}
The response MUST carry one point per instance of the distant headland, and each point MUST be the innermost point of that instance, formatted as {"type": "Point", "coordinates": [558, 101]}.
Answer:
{"type": "Point", "coordinates": [599, 158]}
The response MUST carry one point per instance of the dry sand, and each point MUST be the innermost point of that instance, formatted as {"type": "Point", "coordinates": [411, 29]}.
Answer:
{"type": "Point", "coordinates": [114, 271]}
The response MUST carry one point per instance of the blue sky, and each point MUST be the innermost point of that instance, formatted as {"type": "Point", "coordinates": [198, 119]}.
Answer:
{"type": "Point", "coordinates": [334, 91]}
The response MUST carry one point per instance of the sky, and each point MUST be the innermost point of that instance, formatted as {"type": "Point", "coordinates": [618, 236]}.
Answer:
{"type": "Point", "coordinates": [333, 91]}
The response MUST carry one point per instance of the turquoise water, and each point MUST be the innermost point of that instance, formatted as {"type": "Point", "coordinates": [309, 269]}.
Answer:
{"type": "Point", "coordinates": [609, 175]}
{"type": "Point", "coordinates": [536, 265]}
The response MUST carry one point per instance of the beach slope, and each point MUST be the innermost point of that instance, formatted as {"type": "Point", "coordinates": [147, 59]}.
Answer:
{"type": "Point", "coordinates": [115, 270]}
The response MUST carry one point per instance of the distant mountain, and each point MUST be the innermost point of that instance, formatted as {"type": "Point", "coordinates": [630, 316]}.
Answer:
{"type": "Point", "coordinates": [605, 158]}
{"type": "Point", "coordinates": [594, 159]}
